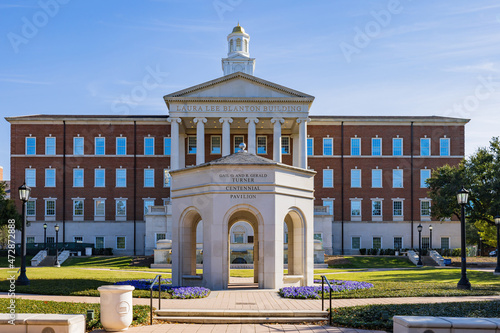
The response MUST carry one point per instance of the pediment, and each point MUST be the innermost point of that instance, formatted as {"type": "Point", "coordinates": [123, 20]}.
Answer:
{"type": "Point", "coordinates": [238, 85]}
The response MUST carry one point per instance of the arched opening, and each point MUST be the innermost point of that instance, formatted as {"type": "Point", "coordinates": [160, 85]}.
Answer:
{"type": "Point", "coordinates": [246, 46]}
{"type": "Point", "coordinates": [294, 247]}
{"type": "Point", "coordinates": [192, 248]}
{"type": "Point", "coordinates": [238, 44]}
{"type": "Point", "coordinates": [231, 46]}
{"type": "Point", "coordinates": [243, 253]}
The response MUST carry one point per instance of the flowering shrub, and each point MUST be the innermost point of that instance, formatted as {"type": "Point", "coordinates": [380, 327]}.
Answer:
{"type": "Point", "coordinates": [166, 285]}
{"type": "Point", "coordinates": [315, 291]}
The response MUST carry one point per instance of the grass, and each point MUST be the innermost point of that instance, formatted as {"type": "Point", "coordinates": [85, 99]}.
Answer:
{"type": "Point", "coordinates": [424, 282]}
{"type": "Point", "coordinates": [379, 317]}
{"type": "Point", "coordinates": [140, 312]}
{"type": "Point", "coordinates": [363, 262]}
{"type": "Point", "coordinates": [5, 263]}
{"type": "Point", "coordinates": [109, 263]}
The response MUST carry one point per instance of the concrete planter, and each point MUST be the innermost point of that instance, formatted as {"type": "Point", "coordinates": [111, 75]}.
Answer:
{"type": "Point", "coordinates": [116, 307]}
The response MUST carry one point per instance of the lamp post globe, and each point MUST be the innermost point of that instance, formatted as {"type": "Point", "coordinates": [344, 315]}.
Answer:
{"type": "Point", "coordinates": [45, 235]}
{"type": "Point", "coordinates": [497, 223]}
{"type": "Point", "coordinates": [430, 237]}
{"type": "Point", "coordinates": [462, 199]}
{"type": "Point", "coordinates": [57, 264]}
{"type": "Point", "coordinates": [419, 263]}
{"type": "Point", "coordinates": [24, 195]}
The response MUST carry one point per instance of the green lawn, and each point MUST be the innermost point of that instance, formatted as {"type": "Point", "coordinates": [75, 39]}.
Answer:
{"type": "Point", "coordinates": [109, 263]}
{"type": "Point", "coordinates": [5, 263]}
{"type": "Point", "coordinates": [361, 262]}
{"type": "Point", "coordinates": [418, 282]}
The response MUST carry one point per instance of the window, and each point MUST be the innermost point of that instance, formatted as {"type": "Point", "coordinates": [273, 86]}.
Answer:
{"type": "Point", "coordinates": [50, 177]}
{"type": "Point", "coordinates": [250, 239]}
{"type": "Point", "coordinates": [50, 146]}
{"type": "Point", "coordinates": [99, 205]}
{"type": "Point", "coordinates": [30, 177]}
{"type": "Point", "coordinates": [120, 242]}
{"type": "Point", "coordinates": [376, 178]}
{"type": "Point", "coordinates": [246, 45]}
{"type": "Point", "coordinates": [444, 147]}
{"type": "Point", "coordinates": [329, 204]}
{"type": "Point", "coordinates": [318, 237]}
{"type": "Point", "coordinates": [78, 207]}
{"type": "Point", "coordinates": [78, 146]}
{"type": "Point", "coordinates": [121, 177]}
{"type": "Point", "coordinates": [355, 243]}
{"type": "Point", "coordinates": [160, 236]}
{"type": "Point", "coordinates": [167, 146]}
{"type": "Point", "coordinates": [50, 208]}
{"type": "Point", "coordinates": [327, 177]}
{"type": "Point", "coordinates": [376, 146]}
{"type": "Point", "coordinates": [237, 140]}
{"type": "Point", "coordinates": [355, 146]}
{"type": "Point", "coordinates": [148, 203]}
{"type": "Point", "coordinates": [376, 207]}
{"type": "Point", "coordinates": [285, 145]}
{"type": "Point", "coordinates": [191, 144]}
{"type": "Point", "coordinates": [238, 44]}
{"type": "Point", "coordinates": [397, 208]}
{"type": "Point", "coordinates": [397, 178]}
{"type": "Point", "coordinates": [121, 146]}
{"type": "Point", "coordinates": [397, 147]}
{"type": "Point", "coordinates": [238, 237]}
{"type": "Point", "coordinates": [78, 239]}
{"type": "Point", "coordinates": [310, 146]}
{"type": "Point", "coordinates": [425, 208]}
{"type": "Point", "coordinates": [398, 243]}
{"type": "Point", "coordinates": [445, 242]}
{"type": "Point", "coordinates": [424, 175]}
{"type": "Point", "coordinates": [121, 207]}
{"type": "Point", "coordinates": [355, 178]}
{"type": "Point", "coordinates": [99, 242]}
{"type": "Point", "coordinates": [377, 242]}
{"type": "Point", "coordinates": [215, 144]}
{"type": "Point", "coordinates": [99, 178]}
{"type": "Point", "coordinates": [149, 177]}
{"type": "Point", "coordinates": [149, 146]}
{"type": "Point", "coordinates": [355, 208]}
{"type": "Point", "coordinates": [425, 147]}
{"type": "Point", "coordinates": [30, 239]}
{"type": "Point", "coordinates": [51, 239]}
{"type": "Point", "coordinates": [262, 145]}
{"type": "Point", "coordinates": [166, 178]}
{"type": "Point", "coordinates": [231, 46]}
{"type": "Point", "coordinates": [327, 146]}
{"type": "Point", "coordinates": [425, 243]}
{"type": "Point", "coordinates": [30, 208]}
{"type": "Point", "coordinates": [30, 146]}
{"type": "Point", "coordinates": [77, 177]}
{"type": "Point", "coordinates": [100, 144]}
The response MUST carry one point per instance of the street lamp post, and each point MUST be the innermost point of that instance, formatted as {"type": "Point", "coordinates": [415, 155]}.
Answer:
{"type": "Point", "coordinates": [430, 237]}
{"type": "Point", "coordinates": [24, 195]}
{"type": "Point", "coordinates": [44, 236]}
{"type": "Point", "coordinates": [497, 222]}
{"type": "Point", "coordinates": [57, 264]}
{"type": "Point", "coordinates": [419, 263]}
{"type": "Point", "coordinates": [480, 245]}
{"type": "Point", "coordinates": [462, 198]}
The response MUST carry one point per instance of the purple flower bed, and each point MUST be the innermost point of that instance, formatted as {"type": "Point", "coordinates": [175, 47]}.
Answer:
{"type": "Point", "coordinates": [166, 285]}
{"type": "Point", "coordinates": [315, 291]}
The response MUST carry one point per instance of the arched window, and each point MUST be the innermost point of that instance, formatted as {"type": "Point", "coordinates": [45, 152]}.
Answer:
{"type": "Point", "coordinates": [246, 46]}
{"type": "Point", "coordinates": [238, 44]}
{"type": "Point", "coordinates": [231, 49]}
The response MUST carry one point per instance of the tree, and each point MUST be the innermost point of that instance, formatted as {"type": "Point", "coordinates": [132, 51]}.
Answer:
{"type": "Point", "coordinates": [480, 174]}
{"type": "Point", "coordinates": [8, 212]}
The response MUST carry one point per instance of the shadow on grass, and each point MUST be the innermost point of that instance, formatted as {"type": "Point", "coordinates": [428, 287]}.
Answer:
{"type": "Point", "coordinates": [105, 262]}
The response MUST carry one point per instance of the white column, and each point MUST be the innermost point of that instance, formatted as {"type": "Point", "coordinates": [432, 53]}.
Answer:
{"type": "Point", "coordinates": [277, 138]}
{"type": "Point", "coordinates": [200, 139]}
{"type": "Point", "coordinates": [296, 158]}
{"type": "Point", "coordinates": [251, 147]}
{"type": "Point", "coordinates": [174, 134]}
{"type": "Point", "coordinates": [226, 135]}
{"type": "Point", "coordinates": [302, 142]}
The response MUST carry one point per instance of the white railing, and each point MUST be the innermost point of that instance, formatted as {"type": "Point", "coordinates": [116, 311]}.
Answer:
{"type": "Point", "coordinates": [63, 256]}
{"type": "Point", "coordinates": [321, 210]}
{"type": "Point", "coordinates": [36, 260]}
{"type": "Point", "coordinates": [437, 257]}
{"type": "Point", "coordinates": [413, 256]}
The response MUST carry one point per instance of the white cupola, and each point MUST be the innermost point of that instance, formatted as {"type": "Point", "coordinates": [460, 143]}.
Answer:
{"type": "Point", "coordinates": [238, 55]}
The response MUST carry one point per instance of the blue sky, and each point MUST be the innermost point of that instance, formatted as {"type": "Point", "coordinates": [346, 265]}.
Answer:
{"type": "Point", "coordinates": [356, 57]}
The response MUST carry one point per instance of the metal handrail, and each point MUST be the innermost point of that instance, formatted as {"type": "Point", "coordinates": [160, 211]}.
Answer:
{"type": "Point", "coordinates": [323, 279]}
{"type": "Point", "coordinates": [156, 279]}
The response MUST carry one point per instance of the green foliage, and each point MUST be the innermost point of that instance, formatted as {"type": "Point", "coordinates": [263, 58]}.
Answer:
{"type": "Point", "coordinates": [140, 312]}
{"type": "Point", "coordinates": [8, 211]}
{"type": "Point", "coordinates": [375, 262]}
{"type": "Point", "coordinates": [379, 317]}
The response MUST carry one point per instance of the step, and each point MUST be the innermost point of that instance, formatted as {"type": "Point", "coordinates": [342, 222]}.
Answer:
{"type": "Point", "coordinates": [241, 320]}
{"type": "Point", "coordinates": [240, 313]}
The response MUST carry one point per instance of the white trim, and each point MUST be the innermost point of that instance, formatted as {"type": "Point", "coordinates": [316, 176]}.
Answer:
{"type": "Point", "coordinates": [95, 145]}
{"type": "Point", "coordinates": [45, 150]}
{"type": "Point", "coordinates": [116, 243]}
{"type": "Point", "coordinates": [116, 145]}
{"type": "Point", "coordinates": [352, 248]}
{"type": "Point", "coordinates": [377, 138]}
{"type": "Point", "coordinates": [154, 145]}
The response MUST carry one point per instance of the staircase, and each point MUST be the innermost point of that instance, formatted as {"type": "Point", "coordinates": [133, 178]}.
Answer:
{"type": "Point", "coordinates": [428, 261]}
{"type": "Point", "coordinates": [47, 262]}
{"type": "Point", "coordinates": [240, 316]}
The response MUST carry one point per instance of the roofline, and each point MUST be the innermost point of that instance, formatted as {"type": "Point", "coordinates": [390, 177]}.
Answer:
{"type": "Point", "coordinates": [394, 119]}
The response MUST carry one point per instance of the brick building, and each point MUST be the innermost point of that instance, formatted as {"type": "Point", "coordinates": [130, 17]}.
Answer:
{"type": "Point", "coordinates": [98, 176]}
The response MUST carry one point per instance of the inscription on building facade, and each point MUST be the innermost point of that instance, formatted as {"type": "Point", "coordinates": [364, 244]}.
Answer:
{"type": "Point", "coordinates": [243, 178]}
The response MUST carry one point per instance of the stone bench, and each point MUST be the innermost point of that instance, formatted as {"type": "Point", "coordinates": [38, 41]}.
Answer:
{"type": "Point", "coordinates": [42, 323]}
{"type": "Point", "coordinates": [423, 324]}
